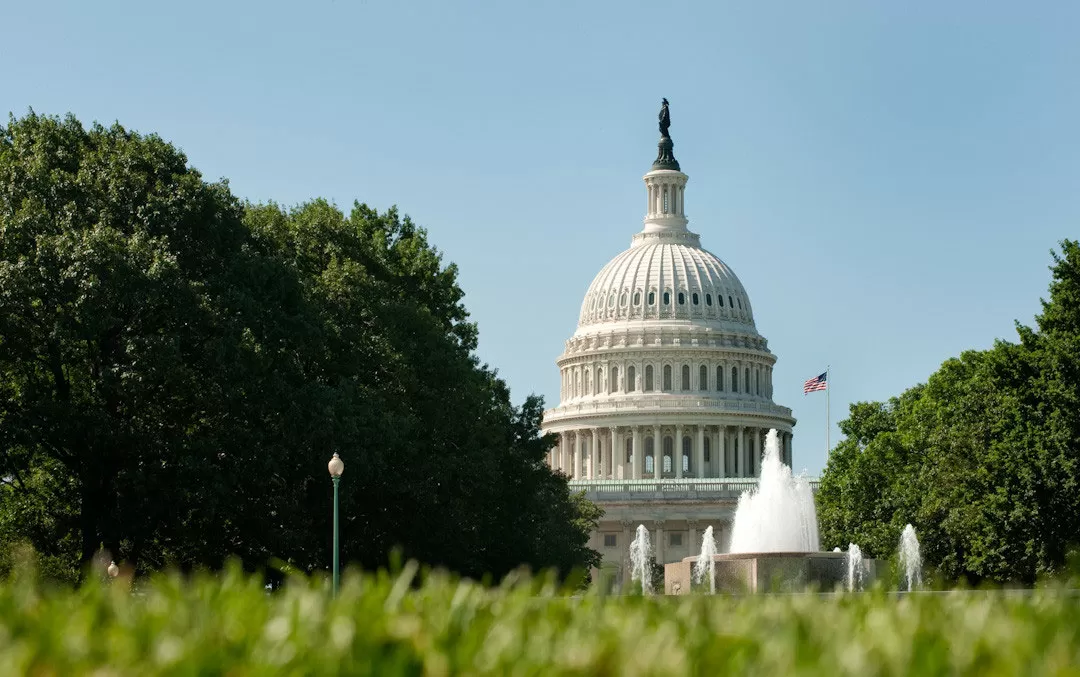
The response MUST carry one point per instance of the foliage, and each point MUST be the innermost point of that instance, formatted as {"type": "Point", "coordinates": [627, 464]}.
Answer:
{"type": "Point", "coordinates": [982, 459]}
{"type": "Point", "coordinates": [392, 625]}
{"type": "Point", "coordinates": [176, 369]}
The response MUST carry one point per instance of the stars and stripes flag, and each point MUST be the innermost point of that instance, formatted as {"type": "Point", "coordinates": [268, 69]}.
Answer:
{"type": "Point", "coordinates": [819, 382]}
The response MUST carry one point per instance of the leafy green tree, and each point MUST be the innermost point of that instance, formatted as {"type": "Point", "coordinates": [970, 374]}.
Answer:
{"type": "Point", "coordinates": [176, 369]}
{"type": "Point", "coordinates": [982, 459]}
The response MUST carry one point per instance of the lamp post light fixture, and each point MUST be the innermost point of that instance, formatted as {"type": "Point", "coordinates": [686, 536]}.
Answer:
{"type": "Point", "coordinates": [113, 570]}
{"type": "Point", "coordinates": [336, 467]}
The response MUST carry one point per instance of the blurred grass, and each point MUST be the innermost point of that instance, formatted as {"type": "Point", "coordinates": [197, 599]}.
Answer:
{"type": "Point", "coordinates": [384, 624]}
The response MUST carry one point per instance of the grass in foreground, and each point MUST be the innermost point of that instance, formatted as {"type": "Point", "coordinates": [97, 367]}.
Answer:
{"type": "Point", "coordinates": [383, 625]}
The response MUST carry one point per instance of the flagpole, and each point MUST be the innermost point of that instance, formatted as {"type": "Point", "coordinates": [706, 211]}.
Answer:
{"type": "Point", "coordinates": [828, 389]}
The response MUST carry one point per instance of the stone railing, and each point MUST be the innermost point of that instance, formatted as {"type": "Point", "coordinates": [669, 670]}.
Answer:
{"type": "Point", "coordinates": [678, 403]}
{"type": "Point", "coordinates": [668, 489]}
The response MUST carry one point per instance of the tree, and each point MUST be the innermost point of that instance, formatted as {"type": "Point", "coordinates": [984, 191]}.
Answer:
{"type": "Point", "coordinates": [982, 459]}
{"type": "Point", "coordinates": [176, 368]}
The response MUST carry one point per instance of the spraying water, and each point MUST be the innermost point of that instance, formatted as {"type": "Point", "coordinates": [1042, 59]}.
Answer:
{"type": "Point", "coordinates": [854, 567]}
{"type": "Point", "coordinates": [910, 560]}
{"type": "Point", "coordinates": [641, 560]}
{"type": "Point", "coordinates": [779, 516]}
{"type": "Point", "coordinates": [706, 563]}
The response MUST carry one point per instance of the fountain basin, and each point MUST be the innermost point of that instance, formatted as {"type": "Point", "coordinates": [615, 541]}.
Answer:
{"type": "Point", "coordinates": [743, 573]}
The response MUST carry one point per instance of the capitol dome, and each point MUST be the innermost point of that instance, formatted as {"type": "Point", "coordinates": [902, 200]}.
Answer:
{"type": "Point", "coordinates": [661, 279]}
{"type": "Point", "coordinates": [666, 385]}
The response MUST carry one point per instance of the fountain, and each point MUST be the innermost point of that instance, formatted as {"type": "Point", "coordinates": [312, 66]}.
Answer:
{"type": "Point", "coordinates": [854, 568]}
{"type": "Point", "coordinates": [780, 515]}
{"type": "Point", "coordinates": [774, 542]}
{"type": "Point", "coordinates": [706, 561]}
{"type": "Point", "coordinates": [910, 559]}
{"type": "Point", "coordinates": [641, 560]}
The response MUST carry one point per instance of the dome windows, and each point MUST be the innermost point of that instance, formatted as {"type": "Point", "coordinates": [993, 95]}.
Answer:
{"type": "Point", "coordinates": [622, 299]}
{"type": "Point", "coordinates": [694, 298]}
{"type": "Point", "coordinates": [667, 298]}
{"type": "Point", "coordinates": [652, 298]}
{"type": "Point", "coordinates": [682, 299]}
{"type": "Point", "coordinates": [708, 300]}
{"type": "Point", "coordinates": [703, 378]}
{"type": "Point", "coordinates": [631, 379]}
{"type": "Point", "coordinates": [637, 299]}
{"type": "Point", "coordinates": [731, 304]}
{"type": "Point", "coordinates": [740, 303]}
{"type": "Point", "coordinates": [611, 300]}
{"type": "Point", "coordinates": [667, 378]}
{"type": "Point", "coordinates": [719, 379]}
{"type": "Point", "coordinates": [685, 384]}
{"type": "Point", "coordinates": [648, 378]}
{"type": "Point", "coordinates": [614, 379]}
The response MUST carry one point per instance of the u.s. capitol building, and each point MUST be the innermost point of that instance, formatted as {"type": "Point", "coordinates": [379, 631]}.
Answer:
{"type": "Point", "coordinates": [666, 386]}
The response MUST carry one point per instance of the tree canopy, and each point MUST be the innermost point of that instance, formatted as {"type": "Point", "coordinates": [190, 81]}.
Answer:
{"type": "Point", "coordinates": [177, 367]}
{"type": "Point", "coordinates": [982, 459]}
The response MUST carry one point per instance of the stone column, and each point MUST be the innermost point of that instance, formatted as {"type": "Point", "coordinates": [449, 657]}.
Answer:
{"type": "Point", "coordinates": [578, 439]}
{"type": "Point", "coordinates": [742, 451]}
{"type": "Point", "coordinates": [787, 449]}
{"type": "Point", "coordinates": [658, 546]}
{"type": "Point", "coordinates": [694, 545]}
{"type": "Point", "coordinates": [721, 452]}
{"type": "Point", "coordinates": [657, 453]}
{"type": "Point", "coordinates": [677, 451]}
{"type": "Point", "coordinates": [756, 465]}
{"type": "Point", "coordinates": [594, 455]}
{"type": "Point", "coordinates": [638, 460]}
{"type": "Point", "coordinates": [699, 457]}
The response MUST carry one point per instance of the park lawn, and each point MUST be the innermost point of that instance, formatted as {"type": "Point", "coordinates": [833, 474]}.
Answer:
{"type": "Point", "coordinates": [382, 624]}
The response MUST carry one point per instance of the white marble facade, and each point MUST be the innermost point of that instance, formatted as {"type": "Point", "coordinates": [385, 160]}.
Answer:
{"type": "Point", "coordinates": [666, 388]}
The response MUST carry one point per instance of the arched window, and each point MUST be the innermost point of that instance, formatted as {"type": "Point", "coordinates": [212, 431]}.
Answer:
{"type": "Point", "coordinates": [694, 298]}
{"type": "Point", "coordinates": [652, 298]}
{"type": "Point", "coordinates": [708, 451]}
{"type": "Point", "coordinates": [613, 386]}
{"type": "Point", "coordinates": [650, 454]}
{"type": "Point", "coordinates": [667, 298]}
{"type": "Point", "coordinates": [686, 447]}
{"type": "Point", "coordinates": [740, 303]}
{"type": "Point", "coordinates": [631, 378]}
{"type": "Point", "coordinates": [637, 298]}
{"type": "Point", "coordinates": [731, 304]}
{"type": "Point", "coordinates": [703, 378]}
{"type": "Point", "coordinates": [682, 299]}
{"type": "Point", "coordinates": [669, 453]}
{"type": "Point", "coordinates": [648, 378]}
{"type": "Point", "coordinates": [588, 382]}
{"type": "Point", "coordinates": [611, 300]}
{"type": "Point", "coordinates": [734, 379]}
{"type": "Point", "coordinates": [719, 379]}
{"type": "Point", "coordinates": [629, 450]}
{"type": "Point", "coordinates": [667, 377]}
{"type": "Point", "coordinates": [686, 377]}
{"type": "Point", "coordinates": [746, 380]}
{"type": "Point", "coordinates": [757, 382]}
{"type": "Point", "coordinates": [720, 300]}
{"type": "Point", "coordinates": [708, 299]}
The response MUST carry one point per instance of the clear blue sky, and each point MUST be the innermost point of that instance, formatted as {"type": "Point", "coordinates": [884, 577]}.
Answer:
{"type": "Point", "coordinates": [886, 178]}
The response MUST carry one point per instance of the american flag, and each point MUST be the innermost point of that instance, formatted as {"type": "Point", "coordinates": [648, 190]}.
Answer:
{"type": "Point", "coordinates": [816, 383]}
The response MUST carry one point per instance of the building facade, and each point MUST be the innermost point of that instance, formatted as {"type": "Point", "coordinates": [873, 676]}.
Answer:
{"type": "Point", "coordinates": [666, 386]}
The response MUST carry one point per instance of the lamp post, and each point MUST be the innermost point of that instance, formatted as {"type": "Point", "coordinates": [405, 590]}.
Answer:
{"type": "Point", "coordinates": [113, 570]}
{"type": "Point", "coordinates": [336, 467]}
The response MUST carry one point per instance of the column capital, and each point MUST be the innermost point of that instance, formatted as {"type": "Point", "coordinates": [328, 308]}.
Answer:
{"type": "Point", "coordinates": [659, 523]}
{"type": "Point", "coordinates": [627, 524]}
{"type": "Point", "coordinates": [691, 524]}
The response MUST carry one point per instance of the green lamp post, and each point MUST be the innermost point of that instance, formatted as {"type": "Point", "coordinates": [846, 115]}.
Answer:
{"type": "Point", "coordinates": [336, 467]}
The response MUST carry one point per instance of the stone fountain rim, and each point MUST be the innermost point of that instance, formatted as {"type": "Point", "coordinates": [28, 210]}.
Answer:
{"type": "Point", "coordinates": [728, 556]}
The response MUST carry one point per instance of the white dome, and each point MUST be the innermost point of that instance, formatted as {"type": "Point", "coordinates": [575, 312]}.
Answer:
{"type": "Point", "coordinates": [666, 279]}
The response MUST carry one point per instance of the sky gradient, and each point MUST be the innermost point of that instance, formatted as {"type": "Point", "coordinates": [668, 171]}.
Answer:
{"type": "Point", "coordinates": [887, 179]}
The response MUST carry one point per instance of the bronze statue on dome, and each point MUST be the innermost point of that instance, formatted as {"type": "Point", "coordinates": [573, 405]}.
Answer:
{"type": "Point", "coordinates": [665, 119]}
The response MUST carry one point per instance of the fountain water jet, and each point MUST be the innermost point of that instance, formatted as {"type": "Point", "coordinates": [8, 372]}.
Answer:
{"type": "Point", "coordinates": [854, 567]}
{"type": "Point", "coordinates": [706, 561]}
{"type": "Point", "coordinates": [779, 516]}
{"type": "Point", "coordinates": [641, 560]}
{"type": "Point", "coordinates": [910, 559]}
